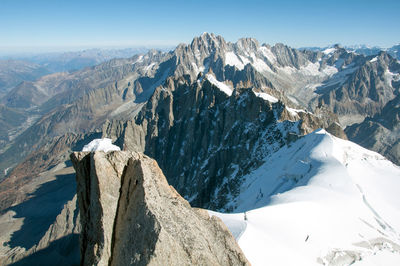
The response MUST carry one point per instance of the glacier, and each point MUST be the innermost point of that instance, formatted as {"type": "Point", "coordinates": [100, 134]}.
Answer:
{"type": "Point", "coordinates": [319, 200]}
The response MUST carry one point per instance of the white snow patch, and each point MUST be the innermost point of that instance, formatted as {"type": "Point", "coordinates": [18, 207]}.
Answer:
{"type": "Point", "coordinates": [149, 66]}
{"type": "Point", "coordinates": [391, 76]}
{"type": "Point", "coordinates": [329, 51]}
{"type": "Point", "coordinates": [138, 60]}
{"type": "Point", "coordinates": [195, 68]}
{"type": "Point", "coordinates": [232, 60]}
{"type": "Point", "coordinates": [374, 59]}
{"type": "Point", "coordinates": [293, 111]}
{"type": "Point", "coordinates": [329, 70]}
{"type": "Point", "coordinates": [244, 60]}
{"type": "Point", "coordinates": [266, 96]}
{"type": "Point", "coordinates": [101, 145]}
{"type": "Point", "coordinates": [313, 69]}
{"type": "Point", "coordinates": [197, 54]}
{"type": "Point", "coordinates": [293, 99]}
{"type": "Point", "coordinates": [259, 64]}
{"type": "Point", "coordinates": [268, 54]}
{"type": "Point", "coordinates": [6, 170]}
{"type": "Point", "coordinates": [240, 61]}
{"type": "Point", "coordinates": [220, 85]}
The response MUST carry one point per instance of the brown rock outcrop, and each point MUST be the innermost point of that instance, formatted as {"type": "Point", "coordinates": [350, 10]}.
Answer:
{"type": "Point", "coordinates": [131, 216]}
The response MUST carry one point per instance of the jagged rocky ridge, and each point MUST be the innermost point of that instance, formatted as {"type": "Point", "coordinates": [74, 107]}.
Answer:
{"type": "Point", "coordinates": [381, 132]}
{"type": "Point", "coordinates": [351, 85]}
{"type": "Point", "coordinates": [131, 216]}
{"type": "Point", "coordinates": [205, 140]}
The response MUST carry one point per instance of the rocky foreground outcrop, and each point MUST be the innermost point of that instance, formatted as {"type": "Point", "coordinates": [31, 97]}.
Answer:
{"type": "Point", "coordinates": [131, 216]}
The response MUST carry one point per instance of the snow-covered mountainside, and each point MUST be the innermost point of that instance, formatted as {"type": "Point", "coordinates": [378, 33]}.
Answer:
{"type": "Point", "coordinates": [320, 200]}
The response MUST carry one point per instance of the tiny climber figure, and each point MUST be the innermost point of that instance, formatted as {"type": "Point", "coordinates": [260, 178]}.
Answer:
{"type": "Point", "coordinates": [245, 216]}
{"type": "Point", "coordinates": [306, 238]}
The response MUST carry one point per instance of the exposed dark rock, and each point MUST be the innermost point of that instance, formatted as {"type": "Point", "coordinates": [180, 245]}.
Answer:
{"type": "Point", "coordinates": [205, 140]}
{"type": "Point", "coordinates": [380, 133]}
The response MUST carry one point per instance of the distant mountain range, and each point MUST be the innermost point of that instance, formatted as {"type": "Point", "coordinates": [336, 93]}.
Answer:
{"type": "Point", "coordinates": [29, 67]}
{"type": "Point", "coordinates": [363, 49]}
{"type": "Point", "coordinates": [72, 61]}
{"type": "Point", "coordinates": [13, 72]}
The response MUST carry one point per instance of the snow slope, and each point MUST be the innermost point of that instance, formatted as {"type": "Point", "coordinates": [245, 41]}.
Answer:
{"type": "Point", "coordinates": [320, 201]}
{"type": "Point", "coordinates": [266, 97]}
{"type": "Point", "coordinates": [220, 85]}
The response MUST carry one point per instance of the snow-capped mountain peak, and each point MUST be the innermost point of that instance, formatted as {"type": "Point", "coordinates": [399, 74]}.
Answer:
{"type": "Point", "coordinates": [323, 200]}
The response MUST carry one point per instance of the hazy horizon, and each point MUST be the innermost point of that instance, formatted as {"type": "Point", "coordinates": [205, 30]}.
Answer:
{"type": "Point", "coordinates": [37, 50]}
{"type": "Point", "coordinates": [76, 25]}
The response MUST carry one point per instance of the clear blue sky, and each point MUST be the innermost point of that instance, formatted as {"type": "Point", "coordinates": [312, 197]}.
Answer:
{"type": "Point", "coordinates": [73, 23]}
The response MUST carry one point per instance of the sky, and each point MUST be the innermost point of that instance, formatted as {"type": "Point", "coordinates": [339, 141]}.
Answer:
{"type": "Point", "coordinates": [29, 25]}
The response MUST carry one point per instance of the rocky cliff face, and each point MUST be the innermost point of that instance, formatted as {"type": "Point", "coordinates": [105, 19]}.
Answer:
{"type": "Point", "coordinates": [380, 133]}
{"type": "Point", "coordinates": [131, 216]}
{"type": "Point", "coordinates": [363, 87]}
{"type": "Point", "coordinates": [205, 140]}
{"type": "Point", "coordinates": [349, 84]}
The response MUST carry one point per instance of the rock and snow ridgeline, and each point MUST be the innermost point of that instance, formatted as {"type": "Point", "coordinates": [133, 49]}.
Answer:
{"type": "Point", "coordinates": [321, 199]}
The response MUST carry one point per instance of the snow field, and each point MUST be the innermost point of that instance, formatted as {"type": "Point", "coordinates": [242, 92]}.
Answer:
{"type": "Point", "coordinates": [320, 200]}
